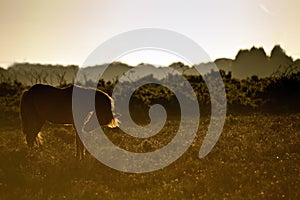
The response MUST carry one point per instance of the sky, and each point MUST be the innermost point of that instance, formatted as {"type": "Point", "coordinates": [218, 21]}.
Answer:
{"type": "Point", "coordinates": [67, 31]}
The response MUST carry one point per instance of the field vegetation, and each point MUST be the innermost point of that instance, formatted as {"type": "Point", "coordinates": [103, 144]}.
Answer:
{"type": "Point", "coordinates": [256, 157]}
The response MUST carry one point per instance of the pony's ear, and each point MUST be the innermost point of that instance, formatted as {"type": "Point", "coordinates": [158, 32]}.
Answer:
{"type": "Point", "coordinates": [114, 123]}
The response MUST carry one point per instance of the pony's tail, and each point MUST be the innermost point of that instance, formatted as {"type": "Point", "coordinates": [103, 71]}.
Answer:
{"type": "Point", "coordinates": [24, 110]}
{"type": "Point", "coordinates": [28, 118]}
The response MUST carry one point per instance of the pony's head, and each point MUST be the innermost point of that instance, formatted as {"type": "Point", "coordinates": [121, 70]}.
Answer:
{"type": "Point", "coordinates": [92, 122]}
{"type": "Point", "coordinates": [104, 110]}
{"type": "Point", "coordinates": [114, 123]}
{"type": "Point", "coordinates": [103, 114]}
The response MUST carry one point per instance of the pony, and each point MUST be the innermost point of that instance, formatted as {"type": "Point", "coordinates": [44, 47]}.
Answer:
{"type": "Point", "coordinates": [41, 103]}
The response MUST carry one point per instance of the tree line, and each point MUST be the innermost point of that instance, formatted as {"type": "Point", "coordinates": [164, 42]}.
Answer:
{"type": "Point", "coordinates": [279, 92]}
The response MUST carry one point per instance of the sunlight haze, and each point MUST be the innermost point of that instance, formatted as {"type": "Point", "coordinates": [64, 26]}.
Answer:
{"type": "Point", "coordinates": [66, 32]}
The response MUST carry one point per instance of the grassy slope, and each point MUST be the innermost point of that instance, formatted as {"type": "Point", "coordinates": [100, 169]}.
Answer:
{"type": "Point", "coordinates": [256, 156]}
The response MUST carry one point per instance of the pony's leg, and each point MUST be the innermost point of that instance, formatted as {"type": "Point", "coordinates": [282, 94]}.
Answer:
{"type": "Point", "coordinates": [79, 146]}
{"type": "Point", "coordinates": [31, 130]}
{"type": "Point", "coordinates": [38, 126]}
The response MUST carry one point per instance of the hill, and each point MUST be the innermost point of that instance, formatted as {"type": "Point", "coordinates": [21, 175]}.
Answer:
{"type": "Point", "coordinates": [248, 62]}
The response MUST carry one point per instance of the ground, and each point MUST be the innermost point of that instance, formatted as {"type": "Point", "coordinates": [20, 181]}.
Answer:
{"type": "Point", "coordinates": [256, 157]}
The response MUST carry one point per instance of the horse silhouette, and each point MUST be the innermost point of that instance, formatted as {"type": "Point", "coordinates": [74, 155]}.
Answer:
{"type": "Point", "coordinates": [42, 103]}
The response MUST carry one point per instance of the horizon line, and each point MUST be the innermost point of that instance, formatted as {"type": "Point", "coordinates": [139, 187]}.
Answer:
{"type": "Point", "coordinates": [8, 64]}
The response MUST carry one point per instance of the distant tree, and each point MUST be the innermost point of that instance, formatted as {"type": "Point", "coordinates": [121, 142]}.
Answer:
{"type": "Point", "coordinates": [179, 66]}
{"type": "Point", "coordinates": [278, 58]}
{"type": "Point", "coordinates": [251, 62]}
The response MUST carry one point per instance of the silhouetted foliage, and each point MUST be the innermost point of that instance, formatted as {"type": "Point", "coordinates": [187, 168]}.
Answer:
{"type": "Point", "coordinates": [279, 92]}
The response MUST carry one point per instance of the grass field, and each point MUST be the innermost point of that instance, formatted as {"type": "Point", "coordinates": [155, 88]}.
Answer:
{"type": "Point", "coordinates": [256, 157]}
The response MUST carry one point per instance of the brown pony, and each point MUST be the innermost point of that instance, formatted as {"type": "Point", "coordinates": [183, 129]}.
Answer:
{"type": "Point", "coordinates": [42, 103]}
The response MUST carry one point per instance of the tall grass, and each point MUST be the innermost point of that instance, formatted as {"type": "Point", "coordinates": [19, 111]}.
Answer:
{"type": "Point", "coordinates": [257, 156]}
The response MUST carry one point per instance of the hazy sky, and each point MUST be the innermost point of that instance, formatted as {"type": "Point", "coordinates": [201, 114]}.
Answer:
{"type": "Point", "coordinates": [65, 32]}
